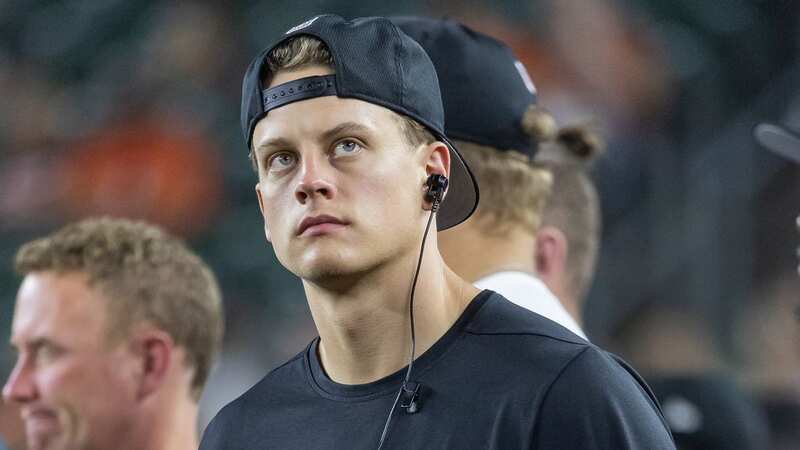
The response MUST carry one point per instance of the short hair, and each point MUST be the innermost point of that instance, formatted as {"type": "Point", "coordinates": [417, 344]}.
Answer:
{"type": "Point", "coordinates": [147, 275]}
{"type": "Point", "coordinates": [303, 51]}
{"type": "Point", "coordinates": [574, 204]}
{"type": "Point", "coordinates": [514, 189]}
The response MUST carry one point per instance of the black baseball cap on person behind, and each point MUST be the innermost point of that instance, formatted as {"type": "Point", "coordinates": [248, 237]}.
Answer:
{"type": "Point", "coordinates": [375, 62]}
{"type": "Point", "coordinates": [485, 89]}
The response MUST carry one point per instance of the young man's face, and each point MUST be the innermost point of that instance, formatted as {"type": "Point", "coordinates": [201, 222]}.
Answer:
{"type": "Point", "coordinates": [72, 387]}
{"type": "Point", "coordinates": [340, 189]}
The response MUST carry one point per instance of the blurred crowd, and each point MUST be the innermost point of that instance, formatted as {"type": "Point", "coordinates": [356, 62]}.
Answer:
{"type": "Point", "coordinates": [130, 108]}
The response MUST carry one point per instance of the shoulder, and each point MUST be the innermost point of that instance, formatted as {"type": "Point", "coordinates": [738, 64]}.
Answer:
{"type": "Point", "coordinates": [584, 388]}
{"type": "Point", "coordinates": [288, 377]}
{"type": "Point", "coordinates": [595, 371]}
{"type": "Point", "coordinates": [605, 403]}
{"type": "Point", "coordinates": [499, 316]}
{"type": "Point", "coordinates": [507, 336]}
{"type": "Point", "coordinates": [233, 417]}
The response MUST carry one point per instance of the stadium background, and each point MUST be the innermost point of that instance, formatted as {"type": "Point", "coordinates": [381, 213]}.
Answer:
{"type": "Point", "coordinates": [131, 108]}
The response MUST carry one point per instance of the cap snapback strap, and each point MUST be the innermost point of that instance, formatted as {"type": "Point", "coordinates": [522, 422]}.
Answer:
{"type": "Point", "coordinates": [300, 89]}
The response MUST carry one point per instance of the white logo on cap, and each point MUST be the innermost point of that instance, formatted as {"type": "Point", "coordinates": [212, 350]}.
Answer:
{"type": "Point", "coordinates": [525, 77]}
{"type": "Point", "coordinates": [302, 25]}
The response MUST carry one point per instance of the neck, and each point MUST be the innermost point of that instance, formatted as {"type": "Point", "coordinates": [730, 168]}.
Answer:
{"type": "Point", "coordinates": [365, 330]}
{"type": "Point", "coordinates": [169, 425]}
{"type": "Point", "coordinates": [513, 251]}
{"type": "Point", "coordinates": [557, 283]}
{"type": "Point", "coordinates": [572, 306]}
{"type": "Point", "coordinates": [182, 434]}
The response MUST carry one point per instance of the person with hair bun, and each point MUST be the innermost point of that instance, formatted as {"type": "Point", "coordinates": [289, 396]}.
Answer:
{"type": "Point", "coordinates": [568, 240]}
{"type": "Point", "coordinates": [498, 137]}
{"type": "Point", "coordinates": [493, 117]}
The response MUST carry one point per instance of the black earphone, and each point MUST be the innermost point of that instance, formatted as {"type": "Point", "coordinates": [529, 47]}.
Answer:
{"type": "Point", "coordinates": [410, 391]}
{"type": "Point", "coordinates": [436, 186]}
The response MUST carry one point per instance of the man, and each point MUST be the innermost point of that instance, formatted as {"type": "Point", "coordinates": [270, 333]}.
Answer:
{"type": "Point", "coordinates": [497, 132]}
{"type": "Point", "coordinates": [345, 124]}
{"type": "Point", "coordinates": [116, 325]}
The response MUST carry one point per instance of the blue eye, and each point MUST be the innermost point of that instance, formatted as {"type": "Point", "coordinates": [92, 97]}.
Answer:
{"type": "Point", "coordinates": [346, 148]}
{"type": "Point", "coordinates": [280, 161]}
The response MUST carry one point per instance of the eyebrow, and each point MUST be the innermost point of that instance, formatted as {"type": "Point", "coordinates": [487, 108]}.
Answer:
{"type": "Point", "coordinates": [338, 130]}
{"type": "Point", "coordinates": [344, 128]}
{"type": "Point", "coordinates": [276, 142]}
{"type": "Point", "coordinates": [34, 344]}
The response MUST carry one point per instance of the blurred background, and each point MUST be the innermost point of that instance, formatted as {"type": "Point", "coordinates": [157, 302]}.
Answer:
{"type": "Point", "coordinates": [131, 108]}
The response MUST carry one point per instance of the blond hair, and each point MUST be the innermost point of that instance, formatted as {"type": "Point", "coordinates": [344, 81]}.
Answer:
{"type": "Point", "coordinates": [514, 189]}
{"type": "Point", "coordinates": [574, 205]}
{"type": "Point", "coordinates": [304, 51]}
{"type": "Point", "coordinates": [146, 275]}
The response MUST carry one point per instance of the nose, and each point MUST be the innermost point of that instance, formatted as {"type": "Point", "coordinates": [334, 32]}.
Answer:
{"type": "Point", "coordinates": [20, 386]}
{"type": "Point", "coordinates": [315, 180]}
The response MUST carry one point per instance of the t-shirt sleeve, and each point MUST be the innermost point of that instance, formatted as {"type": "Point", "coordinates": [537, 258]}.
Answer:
{"type": "Point", "coordinates": [595, 404]}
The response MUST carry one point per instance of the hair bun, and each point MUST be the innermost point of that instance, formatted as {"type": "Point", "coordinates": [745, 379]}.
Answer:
{"type": "Point", "coordinates": [581, 143]}
{"type": "Point", "coordinates": [539, 125]}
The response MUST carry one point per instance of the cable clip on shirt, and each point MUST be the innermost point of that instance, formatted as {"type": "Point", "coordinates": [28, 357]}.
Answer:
{"type": "Point", "coordinates": [411, 397]}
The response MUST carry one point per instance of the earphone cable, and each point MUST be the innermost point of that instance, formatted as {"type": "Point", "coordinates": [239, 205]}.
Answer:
{"type": "Point", "coordinates": [407, 378]}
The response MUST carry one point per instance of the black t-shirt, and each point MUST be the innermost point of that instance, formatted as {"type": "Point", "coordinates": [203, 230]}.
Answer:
{"type": "Point", "coordinates": [501, 378]}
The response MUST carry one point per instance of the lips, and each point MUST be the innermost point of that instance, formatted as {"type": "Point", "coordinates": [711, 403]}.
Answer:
{"type": "Point", "coordinates": [319, 224]}
{"type": "Point", "coordinates": [37, 414]}
{"type": "Point", "coordinates": [40, 422]}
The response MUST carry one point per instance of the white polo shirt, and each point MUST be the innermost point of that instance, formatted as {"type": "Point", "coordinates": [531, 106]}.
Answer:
{"type": "Point", "coordinates": [529, 292]}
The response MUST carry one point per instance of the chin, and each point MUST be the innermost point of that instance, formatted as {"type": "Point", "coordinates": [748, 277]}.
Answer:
{"type": "Point", "coordinates": [326, 261]}
{"type": "Point", "coordinates": [48, 442]}
{"type": "Point", "coordinates": [324, 267]}
{"type": "Point", "coordinates": [332, 265]}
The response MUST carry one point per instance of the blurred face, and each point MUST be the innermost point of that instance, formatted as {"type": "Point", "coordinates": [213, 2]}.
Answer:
{"type": "Point", "coordinates": [340, 190]}
{"type": "Point", "coordinates": [70, 384]}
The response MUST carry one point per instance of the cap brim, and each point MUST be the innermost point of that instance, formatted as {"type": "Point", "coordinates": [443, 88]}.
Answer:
{"type": "Point", "coordinates": [462, 195]}
{"type": "Point", "coordinates": [779, 140]}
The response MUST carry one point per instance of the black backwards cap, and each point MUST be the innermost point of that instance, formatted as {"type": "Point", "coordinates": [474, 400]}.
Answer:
{"type": "Point", "coordinates": [485, 89]}
{"type": "Point", "coordinates": [377, 63]}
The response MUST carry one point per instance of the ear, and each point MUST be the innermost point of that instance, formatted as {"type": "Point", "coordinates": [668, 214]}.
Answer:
{"type": "Point", "coordinates": [551, 253]}
{"type": "Point", "coordinates": [261, 207]}
{"type": "Point", "coordinates": [437, 161]}
{"type": "Point", "coordinates": [154, 350]}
